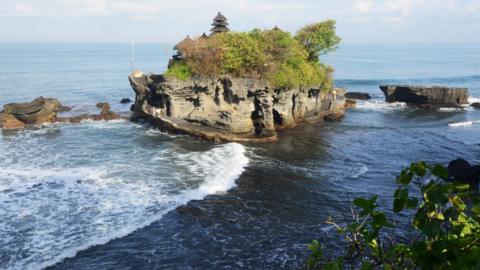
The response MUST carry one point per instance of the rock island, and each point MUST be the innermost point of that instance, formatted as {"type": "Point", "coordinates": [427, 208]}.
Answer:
{"type": "Point", "coordinates": [242, 86]}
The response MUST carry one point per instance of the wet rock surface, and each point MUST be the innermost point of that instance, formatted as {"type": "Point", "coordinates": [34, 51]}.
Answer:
{"type": "Point", "coordinates": [438, 96]}
{"type": "Point", "coordinates": [230, 109]}
{"type": "Point", "coordinates": [45, 110]}
{"type": "Point", "coordinates": [358, 95]}
{"type": "Point", "coordinates": [40, 110]}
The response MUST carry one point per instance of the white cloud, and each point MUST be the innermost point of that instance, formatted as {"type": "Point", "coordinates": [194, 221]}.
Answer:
{"type": "Point", "coordinates": [23, 10]}
{"type": "Point", "coordinates": [363, 5]}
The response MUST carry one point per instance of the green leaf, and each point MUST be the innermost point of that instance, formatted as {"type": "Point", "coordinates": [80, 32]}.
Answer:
{"type": "Point", "coordinates": [432, 229]}
{"type": "Point", "coordinates": [366, 266]}
{"type": "Point", "coordinates": [401, 196]}
{"type": "Point", "coordinates": [440, 171]}
{"type": "Point", "coordinates": [458, 203]}
{"type": "Point", "coordinates": [367, 205]}
{"type": "Point", "coordinates": [412, 203]}
{"type": "Point", "coordinates": [461, 186]}
{"type": "Point", "coordinates": [404, 178]}
{"type": "Point", "coordinates": [476, 209]}
{"type": "Point", "coordinates": [419, 169]}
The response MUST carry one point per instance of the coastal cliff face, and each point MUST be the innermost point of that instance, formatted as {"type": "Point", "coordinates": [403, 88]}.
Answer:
{"type": "Point", "coordinates": [230, 109]}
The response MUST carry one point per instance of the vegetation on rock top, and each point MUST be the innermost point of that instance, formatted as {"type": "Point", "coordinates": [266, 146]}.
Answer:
{"type": "Point", "coordinates": [283, 59]}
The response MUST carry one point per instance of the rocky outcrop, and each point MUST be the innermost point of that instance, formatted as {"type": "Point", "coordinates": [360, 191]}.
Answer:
{"type": "Point", "coordinates": [431, 95]}
{"type": "Point", "coordinates": [229, 109]}
{"type": "Point", "coordinates": [106, 114]}
{"type": "Point", "coordinates": [44, 110]}
{"type": "Point", "coordinates": [461, 171]}
{"type": "Point", "coordinates": [358, 95]}
{"type": "Point", "coordinates": [8, 121]}
{"type": "Point", "coordinates": [40, 110]}
{"type": "Point", "coordinates": [475, 105]}
{"type": "Point", "coordinates": [350, 104]}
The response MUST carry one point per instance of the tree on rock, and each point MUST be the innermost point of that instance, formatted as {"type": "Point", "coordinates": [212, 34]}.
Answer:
{"type": "Point", "coordinates": [318, 38]}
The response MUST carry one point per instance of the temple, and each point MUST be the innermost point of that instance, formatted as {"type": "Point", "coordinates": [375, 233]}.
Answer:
{"type": "Point", "coordinates": [220, 24]}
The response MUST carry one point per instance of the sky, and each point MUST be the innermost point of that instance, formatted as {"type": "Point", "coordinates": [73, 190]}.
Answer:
{"type": "Point", "coordinates": [358, 21]}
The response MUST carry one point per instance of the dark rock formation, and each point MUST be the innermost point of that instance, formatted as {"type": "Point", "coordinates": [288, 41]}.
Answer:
{"type": "Point", "coordinates": [40, 110]}
{"type": "Point", "coordinates": [475, 105]}
{"type": "Point", "coordinates": [105, 115]}
{"type": "Point", "coordinates": [460, 170]}
{"type": "Point", "coordinates": [125, 101]}
{"type": "Point", "coordinates": [432, 95]}
{"type": "Point", "coordinates": [44, 110]}
{"type": "Point", "coordinates": [229, 109]}
{"type": "Point", "coordinates": [358, 95]}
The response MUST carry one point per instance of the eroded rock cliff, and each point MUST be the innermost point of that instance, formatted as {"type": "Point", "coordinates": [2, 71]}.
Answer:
{"type": "Point", "coordinates": [230, 109]}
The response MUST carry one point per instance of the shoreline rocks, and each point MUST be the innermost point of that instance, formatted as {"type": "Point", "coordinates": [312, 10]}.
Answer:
{"type": "Point", "coordinates": [44, 110]}
{"type": "Point", "coordinates": [462, 171]}
{"type": "Point", "coordinates": [475, 105]}
{"type": "Point", "coordinates": [436, 96]}
{"type": "Point", "coordinates": [229, 109]}
{"type": "Point", "coordinates": [40, 110]}
{"type": "Point", "coordinates": [358, 95]}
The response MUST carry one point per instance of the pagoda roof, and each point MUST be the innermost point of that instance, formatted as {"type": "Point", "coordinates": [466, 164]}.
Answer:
{"type": "Point", "coordinates": [220, 23]}
{"type": "Point", "coordinates": [220, 17]}
{"type": "Point", "coordinates": [218, 29]}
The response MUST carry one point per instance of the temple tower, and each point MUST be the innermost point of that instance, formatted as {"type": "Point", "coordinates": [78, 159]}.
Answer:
{"type": "Point", "coordinates": [220, 24]}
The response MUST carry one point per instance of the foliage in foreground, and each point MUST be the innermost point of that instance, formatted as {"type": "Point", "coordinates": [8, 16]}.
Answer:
{"type": "Point", "coordinates": [445, 225]}
{"type": "Point", "coordinates": [274, 55]}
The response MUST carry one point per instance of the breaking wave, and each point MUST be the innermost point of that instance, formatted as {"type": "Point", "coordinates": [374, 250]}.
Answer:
{"type": "Point", "coordinates": [50, 213]}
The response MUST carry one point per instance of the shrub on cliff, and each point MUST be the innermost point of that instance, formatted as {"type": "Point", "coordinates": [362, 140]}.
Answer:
{"type": "Point", "coordinates": [273, 55]}
{"type": "Point", "coordinates": [179, 70]}
{"type": "Point", "coordinates": [445, 223]}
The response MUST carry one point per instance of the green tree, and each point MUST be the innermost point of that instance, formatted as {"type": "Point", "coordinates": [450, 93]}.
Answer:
{"type": "Point", "coordinates": [445, 224]}
{"type": "Point", "coordinates": [318, 38]}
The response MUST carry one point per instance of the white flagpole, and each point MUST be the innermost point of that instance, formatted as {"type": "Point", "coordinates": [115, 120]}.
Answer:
{"type": "Point", "coordinates": [133, 54]}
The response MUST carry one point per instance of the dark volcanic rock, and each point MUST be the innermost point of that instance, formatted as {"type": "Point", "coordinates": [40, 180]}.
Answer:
{"type": "Point", "coordinates": [40, 110]}
{"type": "Point", "coordinates": [460, 170]}
{"type": "Point", "coordinates": [475, 105]}
{"type": "Point", "coordinates": [125, 100]}
{"type": "Point", "coordinates": [434, 95]}
{"type": "Point", "coordinates": [230, 109]}
{"type": "Point", "coordinates": [358, 95]}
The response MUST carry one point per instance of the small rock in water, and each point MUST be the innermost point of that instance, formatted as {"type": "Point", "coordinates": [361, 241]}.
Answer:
{"type": "Point", "coordinates": [475, 105]}
{"type": "Point", "coordinates": [437, 96]}
{"type": "Point", "coordinates": [125, 100]}
{"type": "Point", "coordinates": [358, 95]}
{"type": "Point", "coordinates": [103, 106]}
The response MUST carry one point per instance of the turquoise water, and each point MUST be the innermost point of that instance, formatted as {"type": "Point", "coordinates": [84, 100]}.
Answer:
{"type": "Point", "coordinates": [106, 195]}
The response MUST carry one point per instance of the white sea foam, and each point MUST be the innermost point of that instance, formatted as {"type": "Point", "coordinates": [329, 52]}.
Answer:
{"type": "Point", "coordinates": [361, 170]}
{"type": "Point", "coordinates": [49, 214]}
{"type": "Point", "coordinates": [464, 124]}
{"type": "Point", "coordinates": [473, 99]}
{"type": "Point", "coordinates": [379, 105]}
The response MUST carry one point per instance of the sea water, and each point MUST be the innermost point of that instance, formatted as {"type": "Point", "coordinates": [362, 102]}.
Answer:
{"type": "Point", "coordinates": [112, 195]}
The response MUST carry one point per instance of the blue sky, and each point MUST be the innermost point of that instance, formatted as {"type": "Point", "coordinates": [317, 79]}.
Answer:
{"type": "Point", "coordinates": [359, 21]}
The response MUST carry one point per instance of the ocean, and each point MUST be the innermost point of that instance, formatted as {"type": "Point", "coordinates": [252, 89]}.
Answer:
{"type": "Point", "coordinates": [122, 195]}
